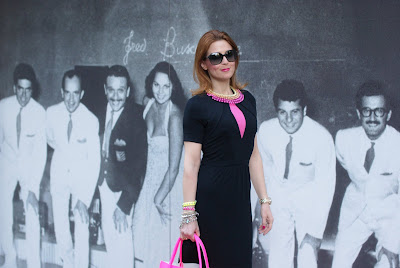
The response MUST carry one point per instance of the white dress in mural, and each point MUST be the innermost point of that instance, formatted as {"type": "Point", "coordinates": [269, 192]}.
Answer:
{"type": "Point", "coordinates": [153, 239]}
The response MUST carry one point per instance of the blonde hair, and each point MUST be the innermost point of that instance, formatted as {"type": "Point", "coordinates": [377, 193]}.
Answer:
{"type": "Point", "coordinates": [200, 75]}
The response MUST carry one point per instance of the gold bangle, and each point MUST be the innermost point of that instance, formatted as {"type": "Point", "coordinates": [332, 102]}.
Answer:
{"type": "Point", "coordinates": [189, 204]}
{"type": "Point", "coordinates": [265, 200]}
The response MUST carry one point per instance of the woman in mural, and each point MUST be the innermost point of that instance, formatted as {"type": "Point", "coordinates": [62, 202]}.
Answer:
{"type": "Point", "coordinates": [155, 229]}
{"type": "Point", "coordinates": [221, 121]}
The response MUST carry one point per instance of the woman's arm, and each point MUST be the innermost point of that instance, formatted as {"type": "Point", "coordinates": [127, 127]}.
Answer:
{"type": "Point", "coordinates": [257, 178]}
{"type": "Point", "coordinates": [175, 135]}
{"type": "Point", "coordinates": [190, 171]}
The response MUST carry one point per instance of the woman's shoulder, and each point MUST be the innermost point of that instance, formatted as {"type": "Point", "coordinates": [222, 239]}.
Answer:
{"type": "Point", "coordinates": [202, 97]}
{"type": "Point", "coordinates": [247, 94]}
{"type": "Point", "coordinates": [249, 97]}
{"type": "Point", "coordinates": [197, 101]}
{"type": "Point", "coordinates": [198, 106]}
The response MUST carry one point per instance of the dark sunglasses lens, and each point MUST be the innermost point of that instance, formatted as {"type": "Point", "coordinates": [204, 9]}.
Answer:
{"type": "Point", "coordinates": [230, 55]}
{"type": "Point", "coordinates": [215, 58]}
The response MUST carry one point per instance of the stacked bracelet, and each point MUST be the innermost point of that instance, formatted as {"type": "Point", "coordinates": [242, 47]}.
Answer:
{"type": "Point", "coordinates": [188, 218]}
{"type": "Point", "coordinates": [188, 208]}
{"type": "Point", "coordinates": [189, 204]}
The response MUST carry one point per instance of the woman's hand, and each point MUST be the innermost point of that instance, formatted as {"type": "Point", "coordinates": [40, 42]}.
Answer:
{"type": "Point", "coordinates": [267, 219]}
{"type": "Point", "coordinates": [188, 230]}
{"type": "Point", "coordinates": [164, 215]}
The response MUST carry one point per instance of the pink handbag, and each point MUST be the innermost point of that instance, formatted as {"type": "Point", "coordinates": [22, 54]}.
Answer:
{"type": "Point", "coordinates": [199, 245]}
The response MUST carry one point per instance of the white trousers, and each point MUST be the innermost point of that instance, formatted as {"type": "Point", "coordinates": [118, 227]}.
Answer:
{"type": "Point", "coordinates": [119, 245]}
{"type": "Point", "coordinates": [32, 229]}
{"type": "Point", "coordinates": [282, 242]}
{"type": "Point", "coordinates": [350, 240]}
{"type": "Point", "coordinates": [72, 256]}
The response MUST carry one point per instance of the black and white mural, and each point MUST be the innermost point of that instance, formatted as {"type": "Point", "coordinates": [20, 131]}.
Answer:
{"type": "Point", "coordinates": [332, 47]}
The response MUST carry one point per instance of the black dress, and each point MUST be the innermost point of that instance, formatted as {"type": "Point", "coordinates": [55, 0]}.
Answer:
{"type": "Point", "coordinates": [223, 187]}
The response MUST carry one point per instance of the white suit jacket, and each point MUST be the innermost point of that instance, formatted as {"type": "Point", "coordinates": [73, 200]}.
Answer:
{"type": "Point", "coordinates": [377, 190]}
{"type": "Point", "coordinates": [75, 164]}
{"type": "Point", "coordinates": [311, 181]}
{"type": "Point", "coordinates": [24, 163]}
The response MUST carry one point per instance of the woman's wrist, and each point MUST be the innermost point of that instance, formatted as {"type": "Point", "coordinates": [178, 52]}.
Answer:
{"type": "Point", "coordinates": [188, 217]}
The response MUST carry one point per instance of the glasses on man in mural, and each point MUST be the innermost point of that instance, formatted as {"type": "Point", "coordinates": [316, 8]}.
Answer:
{"type": "Point", "coordinates": [155, 217]}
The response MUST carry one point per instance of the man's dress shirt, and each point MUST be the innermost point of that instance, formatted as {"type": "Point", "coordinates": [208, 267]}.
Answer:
{"type": "Point", "coordinates": [24, 163]}
{"type": "Point", "coordinates": [76, 163]}
{"type": "Point", "coordinates": [373, 195]}
{"type": "Point", "coordinates": [311, 181]}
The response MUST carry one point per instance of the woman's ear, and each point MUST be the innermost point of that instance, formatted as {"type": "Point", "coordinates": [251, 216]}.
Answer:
{"type": "Point", "coordinates": [204, 66]}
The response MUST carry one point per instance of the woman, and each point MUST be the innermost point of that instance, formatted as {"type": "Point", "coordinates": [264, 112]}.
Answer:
{"type": "Point", "coordinates": [220, 120]}
{"type": "Point", "coordinates": [163, 102]}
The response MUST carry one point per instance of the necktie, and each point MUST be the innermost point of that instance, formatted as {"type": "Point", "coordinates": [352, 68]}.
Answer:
{"type": "Point", "coordinates": [69, 127]}
{"type": "Point", "coordinates": [107, 134]}
{"type": "Point", "coordinates": [19, 126]}
{"type": "Point", "coordinates": [288, 157]}
{"type": "Point", "coordinates": [369, 157]}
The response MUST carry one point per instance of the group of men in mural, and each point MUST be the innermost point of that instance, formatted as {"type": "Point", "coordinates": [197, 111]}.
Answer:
{"type": "Point", "coordinates": [299, 160]}
{"type": "Point", "coordinates": [81, 162]}
{"type": "Point", "coordinates": [299, 165]}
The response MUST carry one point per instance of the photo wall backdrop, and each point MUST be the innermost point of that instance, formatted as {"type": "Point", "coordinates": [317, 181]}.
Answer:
{"type": "Point", "coordinates": [331, 46]}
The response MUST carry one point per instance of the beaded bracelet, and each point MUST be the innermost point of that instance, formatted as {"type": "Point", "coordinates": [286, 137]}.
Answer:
{"type": "Point", "coordinates": [193, 218]}
{"type": "Point", "coordinates": [188, 215]}
{"type": "Point", "coordinates": [189, 204]}
{"type": "Point", "coordinates": [188, 208]}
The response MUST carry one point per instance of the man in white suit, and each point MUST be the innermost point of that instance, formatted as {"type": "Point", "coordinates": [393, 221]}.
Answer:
{"type": "Point", "coordinates": [371, 155]}
{"type": "Point", "coordinates": [23, 154]}
{"type": "Point", "coordinates": [73, 132]}
{"type": "Point", "coordinates": [299, 163]}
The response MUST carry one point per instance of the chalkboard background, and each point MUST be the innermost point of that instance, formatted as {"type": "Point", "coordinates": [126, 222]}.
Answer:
{"type": "Point", "coordinates": [331, 46]}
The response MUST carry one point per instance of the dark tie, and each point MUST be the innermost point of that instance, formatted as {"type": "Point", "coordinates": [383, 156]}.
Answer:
{"type": "Point", "coordinates": [69, 127]}
{"type": "Point", "coordinates": [19, 126]}
{"type": "Point", "coordinates": [369, 157]}
{"type": "Point", "coordinates": [288, 157]}
{"type": "Point", "coordinates": [107, 135]}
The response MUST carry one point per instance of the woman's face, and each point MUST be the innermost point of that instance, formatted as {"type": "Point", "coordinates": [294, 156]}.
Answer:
{"type": "Point", "coordinates": [223, 71]}
{"type": "Point", "coordinates": [162, 87]}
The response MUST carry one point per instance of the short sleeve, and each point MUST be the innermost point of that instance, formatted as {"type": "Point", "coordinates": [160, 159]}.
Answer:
{"type": "Point", "coordinates": [193, 121]}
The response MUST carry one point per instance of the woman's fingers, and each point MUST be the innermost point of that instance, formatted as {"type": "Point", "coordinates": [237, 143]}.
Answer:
{"type": "Point", "coordinates": [188, 231]}
{"type": "Point", "coordinates": [267, 220]}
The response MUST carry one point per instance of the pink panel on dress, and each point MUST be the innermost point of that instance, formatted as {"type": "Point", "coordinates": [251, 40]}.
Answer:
{"type": "Point", "coordinates": [240, 119]}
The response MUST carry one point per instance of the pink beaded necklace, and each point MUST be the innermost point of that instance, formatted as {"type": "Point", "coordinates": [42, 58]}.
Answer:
{"type": "Point", "coordinates": [237, 97]}
{"type": "Point", "coordinates": [233, 99]}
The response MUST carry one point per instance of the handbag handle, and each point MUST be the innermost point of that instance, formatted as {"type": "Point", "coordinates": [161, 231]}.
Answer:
{"type": "Point", "coordinates": [200, 247]}
{"type": "Point", "coordinates": [178, 244]}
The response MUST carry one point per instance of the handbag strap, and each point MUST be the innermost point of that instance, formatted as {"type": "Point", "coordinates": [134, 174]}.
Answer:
{"type": "Point", "coordinates": [178, 244]}
{"type": "Point", "coordinates": [200, 245]}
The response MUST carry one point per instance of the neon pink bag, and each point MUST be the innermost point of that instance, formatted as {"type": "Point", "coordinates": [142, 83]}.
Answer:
{"type": "Point", "coordinates": [199, 245]}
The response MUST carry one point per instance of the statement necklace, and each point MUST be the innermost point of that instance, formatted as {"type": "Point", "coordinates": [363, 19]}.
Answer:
{"type": "Point", "coordinates": [236, 97]}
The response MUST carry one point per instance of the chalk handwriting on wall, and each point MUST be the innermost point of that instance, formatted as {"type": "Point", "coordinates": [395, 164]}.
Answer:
{"type": "Point", "coordinates": [130, 46]}
{"type": "Point", "coordinates": [171, 49]}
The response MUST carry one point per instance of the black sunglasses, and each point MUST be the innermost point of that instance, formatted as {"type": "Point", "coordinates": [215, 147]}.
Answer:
{"type": "Point", "coordinates": [216, 57]}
